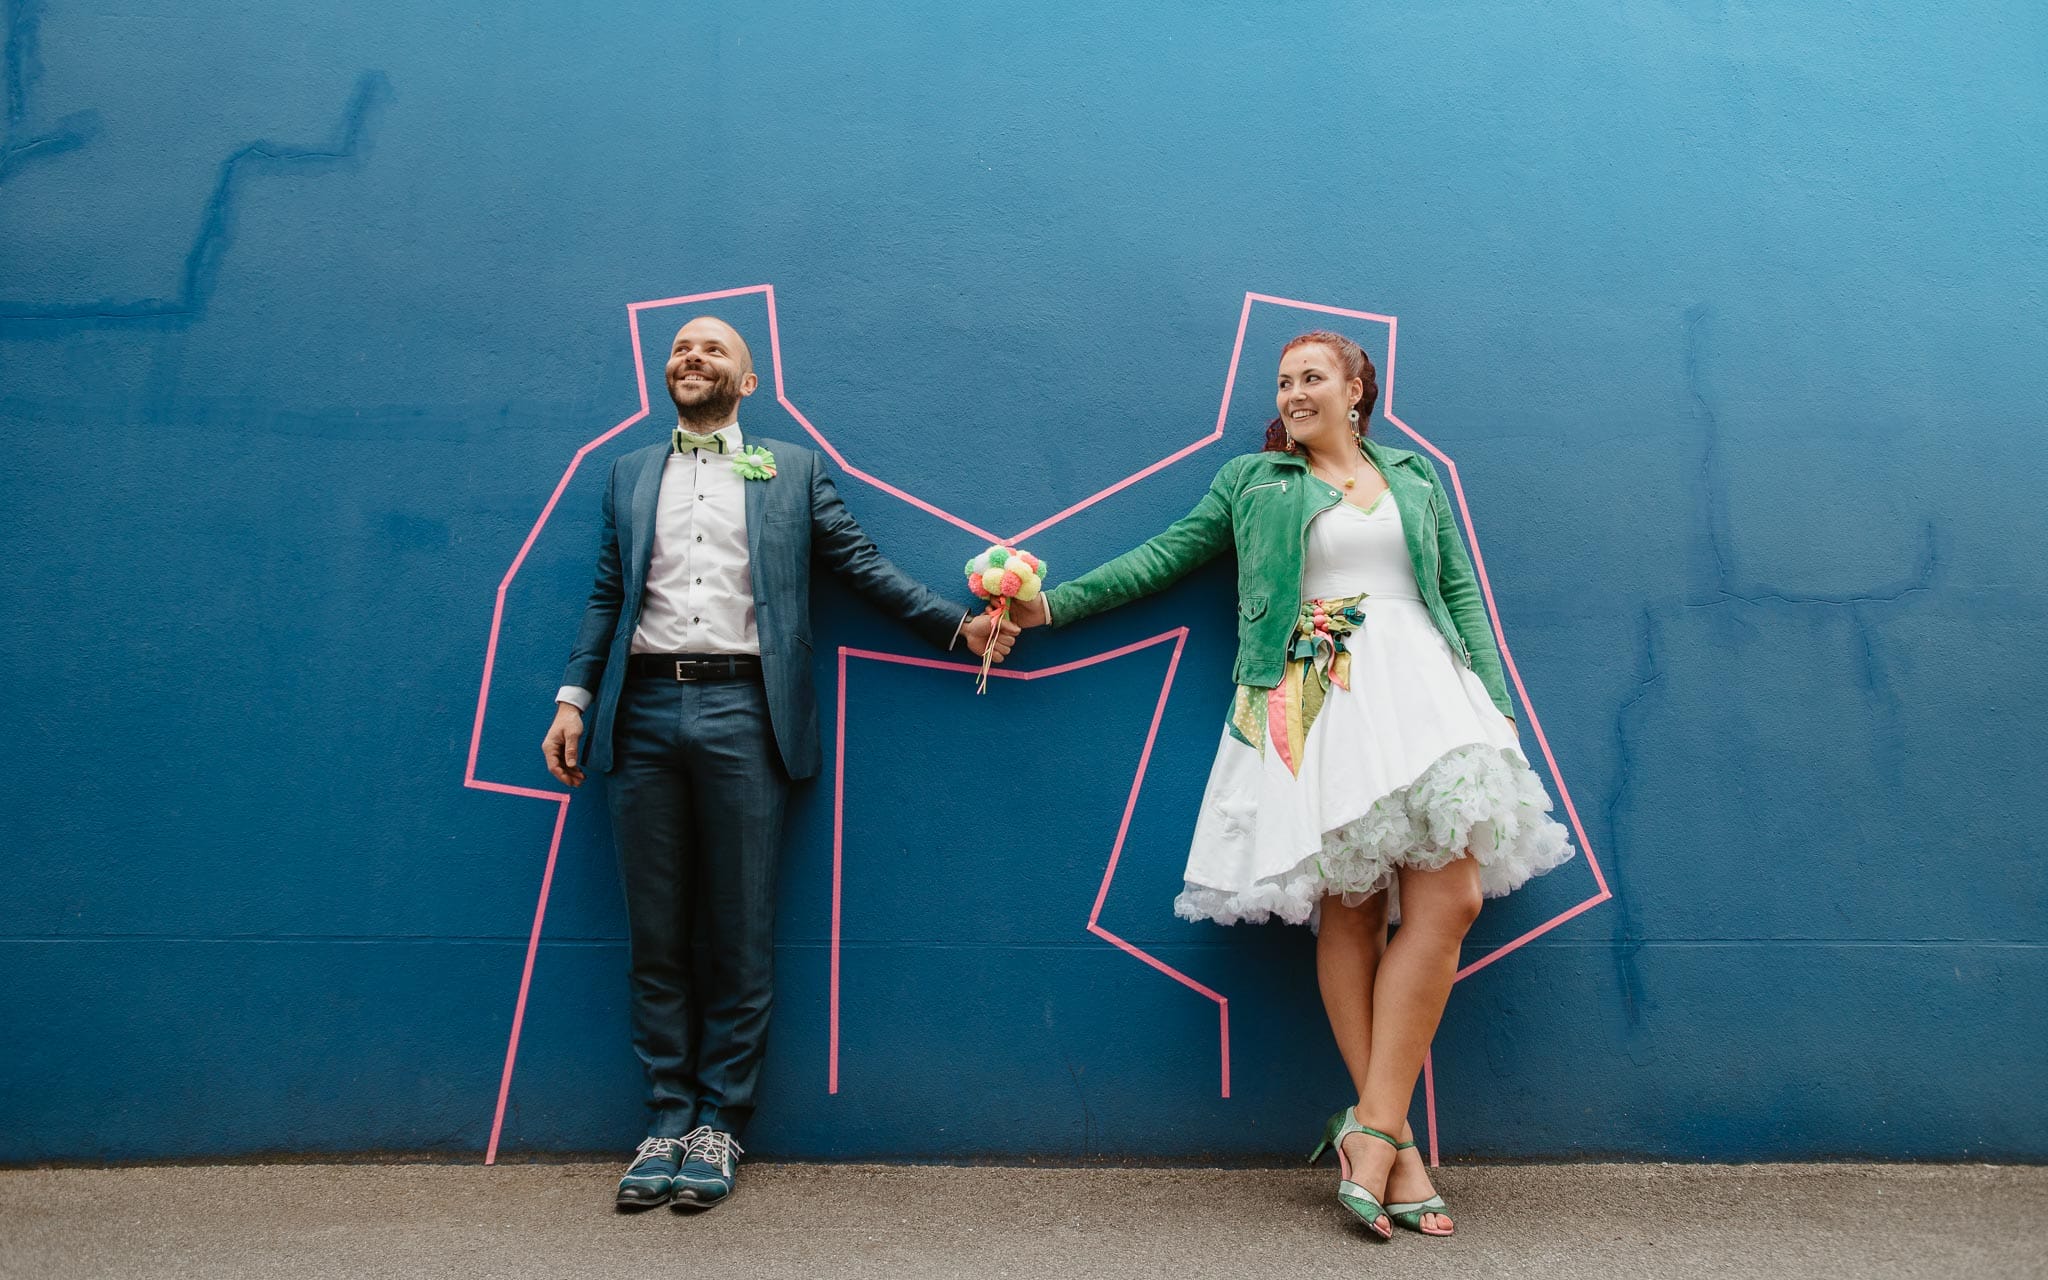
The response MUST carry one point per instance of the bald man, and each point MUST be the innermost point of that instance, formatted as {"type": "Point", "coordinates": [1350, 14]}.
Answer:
{"type": "Point", "coordinates": [696, 651]}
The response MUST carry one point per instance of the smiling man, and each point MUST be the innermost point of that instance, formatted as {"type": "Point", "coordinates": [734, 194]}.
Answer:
{"type": "Point", "coordinates": [696, 652]}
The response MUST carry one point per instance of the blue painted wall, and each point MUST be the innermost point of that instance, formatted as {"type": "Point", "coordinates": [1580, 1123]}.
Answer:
{"type": "Point", "coordinates": [1732, 316]}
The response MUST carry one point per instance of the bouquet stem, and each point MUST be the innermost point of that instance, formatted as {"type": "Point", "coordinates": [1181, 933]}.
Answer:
{"type": "Point", "coordinates": [988, 652]}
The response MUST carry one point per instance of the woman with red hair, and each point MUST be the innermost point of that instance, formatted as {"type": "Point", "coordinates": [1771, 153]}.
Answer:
{"type": "Point", "coordinates": [1370, 770]}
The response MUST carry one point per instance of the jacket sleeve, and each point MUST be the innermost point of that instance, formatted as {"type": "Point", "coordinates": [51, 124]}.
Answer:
{"type": "Point", "coordinates": [838, 542]}
{"type": "Point", "coordinates": [1459, 586]}
{"type": "Point", "coordinates": [1184, 546]}
{"type": "Point", "coordinates": [607, 595]}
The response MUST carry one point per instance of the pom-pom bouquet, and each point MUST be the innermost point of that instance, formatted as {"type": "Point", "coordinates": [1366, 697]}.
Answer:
{"type": "Point", "coordinates": [1002, 576]}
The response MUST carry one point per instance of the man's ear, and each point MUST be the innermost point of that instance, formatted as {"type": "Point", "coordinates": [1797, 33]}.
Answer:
{"type": "Point", "coordinates": [748, 383]}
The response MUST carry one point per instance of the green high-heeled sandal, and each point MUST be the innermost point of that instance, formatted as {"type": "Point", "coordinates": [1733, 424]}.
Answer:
{"type": "Point", "coordinates": [1362, 1204]}
{"type": "Point", "coordinates": [1410, 1214]}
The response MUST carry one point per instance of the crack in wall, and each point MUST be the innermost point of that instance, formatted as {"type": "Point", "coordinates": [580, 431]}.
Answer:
{"type": "Point", "coordinates": [1868, 607]}
{"type": "Point", "coordinates": [1628, 941]}
{"type": "Point", "coordinates": [18, 56]}
{"type": "Point", "coordinates": [1711, 517]}
{"type": "Point", "coordinates": [216, 227]}
{"type": "Point", "coordinates": [23, 69]}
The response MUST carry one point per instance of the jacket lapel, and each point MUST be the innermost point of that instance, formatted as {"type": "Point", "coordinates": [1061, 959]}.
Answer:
{"type": "Point", "coordinates": [1411, 499]}
{"type": "Point", "coordinates": [642, 511]}
{"type": "Point", "coordinates": [756, 492]}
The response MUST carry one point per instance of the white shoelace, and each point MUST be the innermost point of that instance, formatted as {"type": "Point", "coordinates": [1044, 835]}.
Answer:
{"type": "Point", "coordinates": [663, 1148]}
{"type": "Point", "coordinates": [713, 1146]}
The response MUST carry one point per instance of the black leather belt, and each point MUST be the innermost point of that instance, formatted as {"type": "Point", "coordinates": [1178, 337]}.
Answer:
{"type": "Point", "coordinates": [693, 666]}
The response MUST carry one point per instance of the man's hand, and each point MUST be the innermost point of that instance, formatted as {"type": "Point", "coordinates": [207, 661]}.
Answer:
{"type": "Point", "coordinates": [1029, 613]}
{"type": "Point", "coordinates": [564, 740]}
{"type": "Point", "coordinates": [982, 635]}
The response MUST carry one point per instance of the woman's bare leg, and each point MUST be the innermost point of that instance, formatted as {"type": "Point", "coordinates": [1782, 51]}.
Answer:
{"type": "Point", "coordinates": [1414, 983]}
{"type": "Point", "coordinates": [1348, 946]}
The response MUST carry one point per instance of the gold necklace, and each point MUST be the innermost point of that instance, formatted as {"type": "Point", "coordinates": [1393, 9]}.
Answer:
{"type": "Point", "coordinates": [1351, 481]}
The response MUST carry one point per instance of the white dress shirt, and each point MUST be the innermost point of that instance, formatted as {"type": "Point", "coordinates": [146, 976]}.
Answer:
{"type": "Point", "coordinates": [699, 597]}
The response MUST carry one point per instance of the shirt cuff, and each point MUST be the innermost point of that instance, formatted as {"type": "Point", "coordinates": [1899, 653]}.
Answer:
{"type": "Point", "coordinates": [1045, 602]}
{"type": "Point", "coordinates": [575, 695]}
{"type": "Point", "coordinates": [954, 642]}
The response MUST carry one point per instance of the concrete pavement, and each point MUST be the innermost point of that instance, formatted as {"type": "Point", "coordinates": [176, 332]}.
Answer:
{"type": "Point", "coordinates": [1642, 1221]}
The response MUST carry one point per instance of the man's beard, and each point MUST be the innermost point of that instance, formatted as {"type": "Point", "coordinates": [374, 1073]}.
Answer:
{"type": "Point", "coordinates": [720, 401]}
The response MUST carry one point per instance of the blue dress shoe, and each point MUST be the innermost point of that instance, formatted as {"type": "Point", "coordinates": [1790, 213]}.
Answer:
{"type": "Point", "coordinates": [651, 1179]}
{"type": "Point", "coordinates": [711, 1159]}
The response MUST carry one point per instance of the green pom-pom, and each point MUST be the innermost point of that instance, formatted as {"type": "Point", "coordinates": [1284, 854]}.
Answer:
{"type": "Point", "coordinates": [997, 557]}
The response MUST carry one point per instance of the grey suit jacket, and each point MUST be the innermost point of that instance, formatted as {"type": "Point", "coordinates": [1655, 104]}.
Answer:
{"type": "Point", "coordinates": [793, 519]}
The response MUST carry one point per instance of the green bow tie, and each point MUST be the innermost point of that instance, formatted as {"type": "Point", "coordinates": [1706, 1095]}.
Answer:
{"type": "Point", "coordinates": [684, 442]}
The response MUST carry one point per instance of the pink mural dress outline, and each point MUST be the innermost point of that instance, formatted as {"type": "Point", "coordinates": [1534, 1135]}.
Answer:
{"type": "Point", "coordinates": [1178, 635]}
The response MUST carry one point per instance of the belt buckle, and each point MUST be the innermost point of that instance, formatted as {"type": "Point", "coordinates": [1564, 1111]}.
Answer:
{"type": "Point", "coordinates": [680, 664]}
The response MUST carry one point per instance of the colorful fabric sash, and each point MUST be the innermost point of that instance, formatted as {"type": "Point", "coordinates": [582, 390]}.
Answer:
{"type": "Point", "coordinates": [1316, 656]}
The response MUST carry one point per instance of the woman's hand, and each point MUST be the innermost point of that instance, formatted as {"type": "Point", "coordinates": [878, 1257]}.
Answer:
{"type": "Point", "coordinates": [1029, 613]}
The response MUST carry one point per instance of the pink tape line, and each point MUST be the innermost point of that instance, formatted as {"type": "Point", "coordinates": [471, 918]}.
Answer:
{"type": "Point", "coordinates": [1223, 413]}
{"type": "Point", "coordinates": [775, 346]}
{"type": "Point", "coordinates": [562, 798]}
{"type": "Point", "coordinates": [1429, 1100]}
{"type": "Point", "coordinates": [1179, 636]}
{"type": "Point", "coordinates": [1602, 892]}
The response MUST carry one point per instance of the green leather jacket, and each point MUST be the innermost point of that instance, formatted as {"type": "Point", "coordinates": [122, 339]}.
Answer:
{"type": "Point", "coordinates": [1261, 504]}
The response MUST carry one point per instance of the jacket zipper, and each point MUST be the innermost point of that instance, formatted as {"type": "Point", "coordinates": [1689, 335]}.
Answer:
{"type": "Point", "coordinates": [1264, 485]}
{"type": "Point", "coordinates": [1303, 559]}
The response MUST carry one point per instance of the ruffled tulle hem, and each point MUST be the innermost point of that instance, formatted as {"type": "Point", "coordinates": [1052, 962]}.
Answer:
{"type": "Point", "coordinates": [1477, 800]}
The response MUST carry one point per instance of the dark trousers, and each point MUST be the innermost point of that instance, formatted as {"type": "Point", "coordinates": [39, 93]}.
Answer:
{"type": "Point", "coordinates": [697, 794]}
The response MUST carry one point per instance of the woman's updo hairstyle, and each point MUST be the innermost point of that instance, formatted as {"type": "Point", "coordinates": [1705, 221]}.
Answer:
{"type": "Point", "coordinates": [1352, 359]}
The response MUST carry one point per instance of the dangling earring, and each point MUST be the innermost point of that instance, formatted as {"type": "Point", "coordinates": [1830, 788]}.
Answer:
{"type": "Point", "coordinates": [1354, 417]}
{"type": "Point", "coordinates": [1292, 447]}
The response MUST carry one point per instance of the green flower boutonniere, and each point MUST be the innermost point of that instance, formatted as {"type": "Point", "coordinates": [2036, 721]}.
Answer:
{"type": "Point", "coordinates": [754, 463]}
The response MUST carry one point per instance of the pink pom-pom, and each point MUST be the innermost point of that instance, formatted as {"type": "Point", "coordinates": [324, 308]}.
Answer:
{"type": "Point", "coordinates": [974, 585]}
{"type": "Point", "coordinates": [1012, 584]}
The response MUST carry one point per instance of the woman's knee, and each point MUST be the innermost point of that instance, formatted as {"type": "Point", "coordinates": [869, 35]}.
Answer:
{"type": "Point", "coordinates": [1369, 916]}
{"type": "Point", "coordinates": [1445, 903]}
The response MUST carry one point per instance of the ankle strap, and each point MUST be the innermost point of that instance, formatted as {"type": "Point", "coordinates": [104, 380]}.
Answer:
{"type": "Point", "coordinates": [1351, 1125]}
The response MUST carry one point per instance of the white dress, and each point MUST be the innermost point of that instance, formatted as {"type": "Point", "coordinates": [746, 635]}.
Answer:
{"type": "Point", "coordinates": [1411, 766]}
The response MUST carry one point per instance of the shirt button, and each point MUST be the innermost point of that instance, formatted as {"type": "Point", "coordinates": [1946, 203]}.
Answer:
{"type": "Point", "coordinates": [700, 582]}
{"type": "Point", "coordinates": [700, 537]}
{"type": "Point", "coordinates": [700, 497]}
{"type": "Point", "coordinates": [696, 619]}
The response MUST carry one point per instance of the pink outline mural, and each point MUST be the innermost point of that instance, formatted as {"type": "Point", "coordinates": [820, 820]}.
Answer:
{"type": "Point", "coordinates": [1179, 636]}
